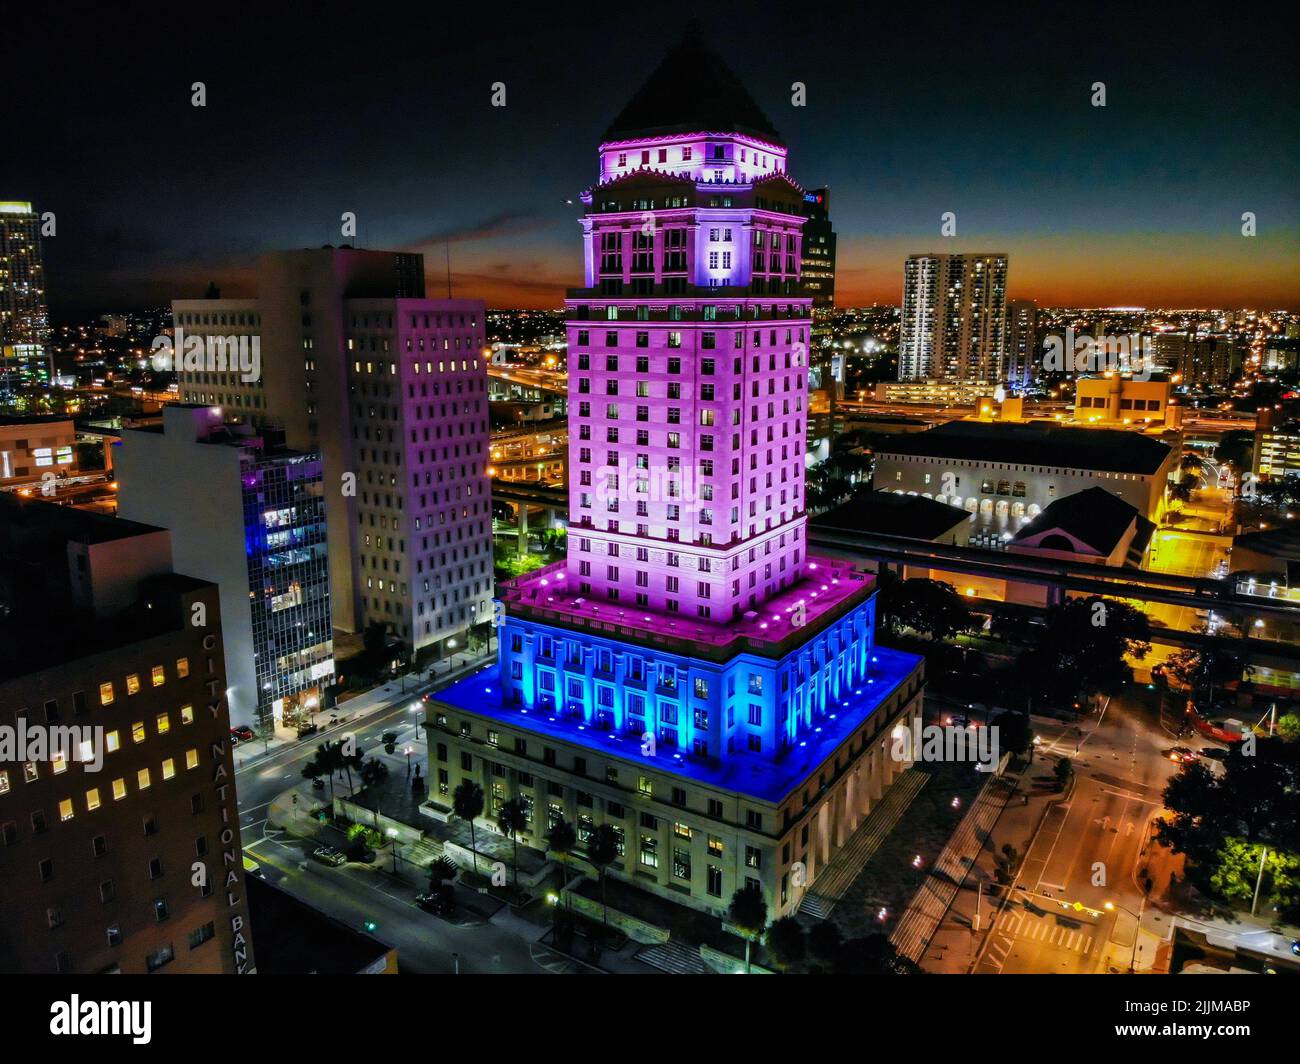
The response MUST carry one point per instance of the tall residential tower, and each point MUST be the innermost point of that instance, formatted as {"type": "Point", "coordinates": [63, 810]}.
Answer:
{"type": "Point", "coordinates": [954, 318]}
{"type": "Point", "coordinates": [24, 317]}
{"type": "Point", "coordinates": [391, 389]}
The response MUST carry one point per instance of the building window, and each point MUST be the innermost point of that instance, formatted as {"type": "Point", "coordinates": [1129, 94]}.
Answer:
{"type": "Point", "coordinates": [649, 851]}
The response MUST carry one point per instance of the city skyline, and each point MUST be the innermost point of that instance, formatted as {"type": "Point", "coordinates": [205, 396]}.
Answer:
{"type": "Point", "coordinates": [1135, 203]}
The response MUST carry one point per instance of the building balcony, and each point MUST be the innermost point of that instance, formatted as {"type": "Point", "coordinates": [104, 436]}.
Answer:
{"type": "Point", "coordinates": [829, 590]}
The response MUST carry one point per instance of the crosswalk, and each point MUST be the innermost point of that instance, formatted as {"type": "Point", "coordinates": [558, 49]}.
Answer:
{"type": "Point", "coordinates": [1014, 925]}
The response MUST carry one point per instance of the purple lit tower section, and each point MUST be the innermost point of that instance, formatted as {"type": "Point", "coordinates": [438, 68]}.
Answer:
{"type": "Point", "coordinates": [688, 608]}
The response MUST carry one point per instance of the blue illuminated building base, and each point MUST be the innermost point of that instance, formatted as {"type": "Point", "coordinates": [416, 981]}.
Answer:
{"type": "Point", "coordinates": [752, 724]}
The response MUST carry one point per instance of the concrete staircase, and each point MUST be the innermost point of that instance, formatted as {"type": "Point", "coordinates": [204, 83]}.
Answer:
{"type": "Point", "coordinates": [836, 878]}
{"type": "Point", "coordinates": [674, 959]}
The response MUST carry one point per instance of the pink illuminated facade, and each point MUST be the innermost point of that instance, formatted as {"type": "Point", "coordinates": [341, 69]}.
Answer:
{"type": "Point", "coordinates": [688, 675]}
{"type": "Point", "coordinates": [688, 354]}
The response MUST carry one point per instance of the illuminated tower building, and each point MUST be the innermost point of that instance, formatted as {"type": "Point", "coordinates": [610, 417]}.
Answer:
{"type": "Point", "coordinates": [24, 319]}
{"type": "Point", "coordinates": [689, 675]}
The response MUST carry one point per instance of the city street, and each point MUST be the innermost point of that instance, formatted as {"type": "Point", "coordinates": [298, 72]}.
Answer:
{"type": "Point", "coordinates": [1088, 852]}
{"type": "Point", "coordinates": [355, 894]}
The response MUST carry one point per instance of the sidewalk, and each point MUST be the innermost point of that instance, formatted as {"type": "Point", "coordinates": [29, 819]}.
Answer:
{"type": "Point", "coordinates": [956, 944]}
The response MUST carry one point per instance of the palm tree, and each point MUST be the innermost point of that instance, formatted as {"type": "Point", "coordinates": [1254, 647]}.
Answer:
{"type": "Point", "coordinates": [512, 819]}
{"type": "Point", "coordinates": [602, 850]}
{"type": "Point", "coordinates": [347, 762]}
{"type": "Point", "coordinates": [748, 914]}
{"type": "Point", "coordinates": [560, 841]}
{"type": "Point", "coordinates": [327, 760]}
{"type": "Point", "coordinates": [467, 803]}
{"type": "Point", "coordinates": [373, 772]}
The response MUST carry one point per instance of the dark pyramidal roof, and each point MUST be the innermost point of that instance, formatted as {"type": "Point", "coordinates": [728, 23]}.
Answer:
{"type": "Point", "coordinates": [691, 91]}
{"type": "Point", "coordinates": [1094, 516]}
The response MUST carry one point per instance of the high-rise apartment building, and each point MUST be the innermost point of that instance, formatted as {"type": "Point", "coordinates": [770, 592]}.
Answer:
{"type": "Point", "coordinates": [1023, 355]}
{"type": "Point", "coordinates": [689, 676]}
{"type": "Point", "coordinates": [24, 316]}
{"type": "Point", "coordinates": [954, 317]}
{"type": "Point", "coordinates": [119, 827]}
{"type": "Point", "coordinates": [249, 515]}
{"type": "Point", "coordinates": [390, 388]}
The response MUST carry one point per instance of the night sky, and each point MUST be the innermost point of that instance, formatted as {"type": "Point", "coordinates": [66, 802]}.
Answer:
{"type": "Point", "coordinates": [385, 111]}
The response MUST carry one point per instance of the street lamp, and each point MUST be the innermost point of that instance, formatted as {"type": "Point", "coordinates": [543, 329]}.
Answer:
{"type": "Point", "coordinates": [1137, 929]}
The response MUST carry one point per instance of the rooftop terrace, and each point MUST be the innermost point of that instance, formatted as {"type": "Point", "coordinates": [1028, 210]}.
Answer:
{"type": "Point", "coordinates": [829, 590]}
{"type": "Point", "coordinates": [754, 775]}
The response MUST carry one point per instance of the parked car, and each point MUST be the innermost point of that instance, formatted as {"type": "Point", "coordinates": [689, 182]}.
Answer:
{"type": "Point", "coordinates": [243, 733]}
{"type": "Point", "coordinates": [359, 851]}
{"type": "Point", "coordinates": [318, 784]}
{"type": "Point", "coordinates": [1215, 753]}
{"type": "Point", "coordinates": [439, 902]}
{"type": "Point", "coordinates": [305, 730]}
{"type": "Point", "coordinates": [328, 855]}
{"type": "Point", "coordinates": [1181, 754]}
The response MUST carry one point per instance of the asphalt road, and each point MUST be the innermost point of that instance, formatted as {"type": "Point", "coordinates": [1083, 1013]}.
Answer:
{"type": "Point", "coordinates": [1088, 851]}
{"type": "Point", "coordinates": [355, 894]}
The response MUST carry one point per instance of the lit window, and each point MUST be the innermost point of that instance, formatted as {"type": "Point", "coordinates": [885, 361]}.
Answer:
{"type": "Point", "coordinates": [168, 768]}
{"type": "Point", "coordinates": [31, 772]}
{"type": "Point", "coordinates": [106, 694]}
{"type": "Point", "coordinates": [92, 799]}
{"type": "Point", "coordinates": [137, 732]}
{"type": "Point", "coordinates": [191, 759]}
{"type": "Point", "coordinates": [112, 741]}
{"type": "Point", "coordinates": [133, 684]}
{"type": "Point", "coordinates": [60, 764]}
{"type": "Point", "coordinates": [164, 723]}
{"type": "Point", "coordinates": [182, 668]}
{"type": "Point", "coordinates": [158, 676]}
{"type": "Point", "coordinates": [119, 789]}
{"type": "Point", "coordinates": [142, 779]}
{"type": "Point", "coordinates": [4, 782]}
{"type": "Point", "coordinates": [187, 714]}
{"type": "Point", "coordinates": [65, 809]}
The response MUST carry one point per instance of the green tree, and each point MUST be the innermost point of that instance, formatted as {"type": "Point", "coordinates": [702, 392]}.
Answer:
{"type": "Point", "coordinates": [512, 819]}
{"type": "Point", "coordinates": [872, 955]}
{"type": "Point", "coordinates": [1288, 727]}
{"type": "Point", "coordinates": [824, 941]}
{"type": "Point", "coordinates": [467, 803]}
{"type": "Point", "coordinates": [748, 914]}
{"type": "Point", "coordinates": [1252, 800]}
{"type": "Point", "coordinates": [787, 942]}
{"type": "Point", "coordinates": [928, 607]}
{"type": "Point", "coordinates": [1014, 733]}
{"type": "Point", "coordinates": [1082, 651]}
{"type": "Point", "coordinates": [1063, 771]}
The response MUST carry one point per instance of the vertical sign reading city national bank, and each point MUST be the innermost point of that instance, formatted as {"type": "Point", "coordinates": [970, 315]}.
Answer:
{"type": "Point", "coordinates": [230, 855]}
